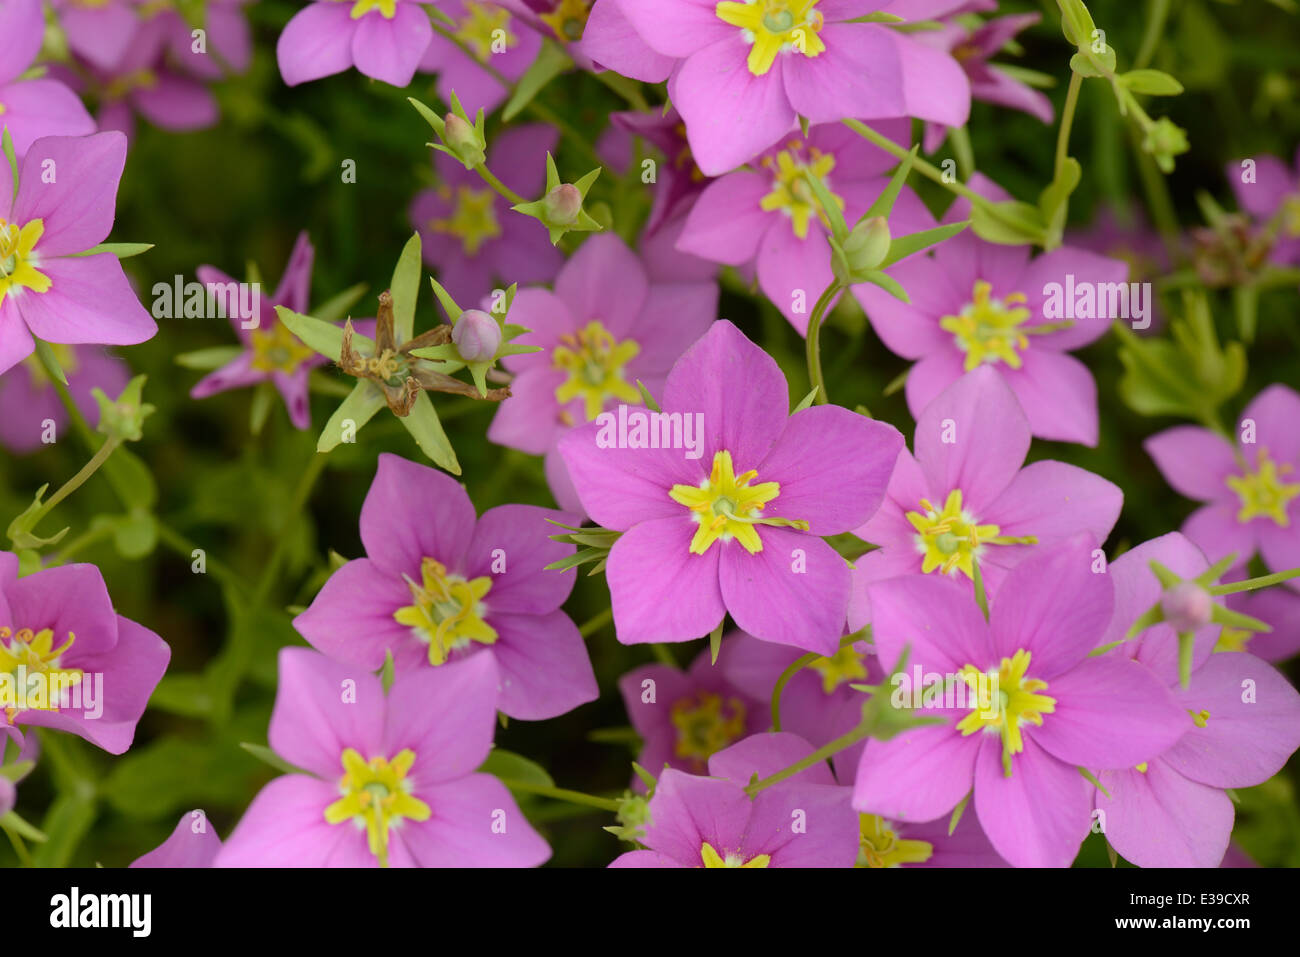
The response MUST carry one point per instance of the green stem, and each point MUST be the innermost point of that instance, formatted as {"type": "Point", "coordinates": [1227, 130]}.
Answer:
{"type": "Point", "coordinates": [1156, 16]}
{"type": "Point", "coordinates": [842, 743]}
{"type": "Point", "coordinates": [562, 794]}
{"type": "Point", "coordinates": [596, 622]}
{"type": "Point", "coordinates": [959, 136]}
{"type": "Point", "coordinates": [796, 666]}
{"type": "Point", "coordinates": [305, 483]}
{"type": "Point", "coordinates": [1067, 122]}
{"type": "Point", "coordinates": [71, 485]}
{"type": "Point", "coordinates": [812, 344]}
{"type": "Point", "coordinates": [1250, 584]}
{"type": "Point", "coordinates": [490, 178]}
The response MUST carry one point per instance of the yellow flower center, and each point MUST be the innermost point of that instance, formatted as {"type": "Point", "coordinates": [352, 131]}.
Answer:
{"type": "Point", "coordinates": [478, 29]}
{"type": "Point", "coordinates": [278, 350]}
{"type": "Point", "coordinates": [387, 8]}
{"type": "Point", "coordinates": [1199, 718]}
{"type": "Point", "coordinates": [1006, 699]}
{"type": "Point", "coordinates": [989, 329]}
{"type": "Point", "coordinates": [377, 796]}
{"type": "Point", "coordinates": [879, 845]}
{"type": "Point", "coordinates": [706, 723]}
{"type": "Point", "coordinates": [712, 858]}
{"type": "Point", "coordinates": [844, 665]}
{"type": "Point", "coordinates": [1291, 215]}
{"type": "Point", "coordinates": [594, 360]}
{"type": "Point", "coordinates": [473, 219]}
{"type": "Point", "coordinates": [568, 20]}
{"type": "Point", "coordinates": [120, 86]}
{"type": "Point", "coordinates": [1263, 493]}
{"type": "Point", "coordinates": [726, 506]}
{"type": "Point", "coordinates": [790, 190]}
{"type": "Point", "coordinates": [447, 611]}
{"type": "Point", "coordinates": [775, 26]}
{"type": "Point", "coordinates": [18, 259]}
{"type": "Point", "coordinates": [36, 654]}
{"type": "Point", "coordinates": [952, 538]}
{"type": "Point", "coordinates": [1232, 639]}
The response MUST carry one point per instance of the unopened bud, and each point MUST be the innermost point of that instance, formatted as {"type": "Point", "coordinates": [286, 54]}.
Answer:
{"type": "Point", "coordinates": [868, 244]}
{"type": "Point", "coordinates": [563, 204]}
{"type": "Point", "coordinates": [464, 140]}
{"type": "Point", "coordinates": [477, 336]}
{"type": "Point", "coordinates": [1187, 607]}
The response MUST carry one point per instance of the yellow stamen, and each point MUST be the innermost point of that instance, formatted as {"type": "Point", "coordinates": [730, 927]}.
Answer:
{"type": "Point", "coordinates": [377, 795]}
{"type": "Point", "coordinates": [726, 506]}
{"type": "Point", "coordinates": [843, 666]}
{"type": "Point", "coordinates": [478, 29]}
{"type": "Point", "coordinates": [952, 540]}
{"type": "Point", "coordinates": [705, 725]}
{"type": "Point", "coordinates": [568, 20]}
{"type": "Point", "coordinates": [1007, 700]}
{"type": "Point", "coordinates": [595, 361]}
{"type": "Point", "coordinates": [880, 846]}
{"type": "Point", "coordinates": [37, 654]}
{"type": "Point", "coordinates": [447, 612]}
{"type": "Point", "coordinates": [473, 219]}
{"type": "Point", "coordinates": [18, 258]}
{"type": "Point", "coordinates": [988, 329]}
{"type": "Point", "coordinates": [712, 858]}
{"type": "Point", "coordinates": [1263, 493]}
{"type": "Point", "coordinates": [790, 190]}
{"type": "Point", "coordinates": [279, 350]}
{"type": "Point", "coordinates": [775, 26]}
{"type": "Point", "coordinates": [387, 8]}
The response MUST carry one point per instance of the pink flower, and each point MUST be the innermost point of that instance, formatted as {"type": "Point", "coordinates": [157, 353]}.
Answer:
{"type": "Point", "coordinates": [965, 498]}
{"type": "Point", "coordinates": [271, 352]}
{"type": "Point", "coordinates": [99, 33]}
{"type": "Point", "coordinates": [65, 206]}
{"type": "Point", "coordinates": [741, 72]}
{"type": "Point", "coordinates": [685, 717]}
{"type": "Point", "coordinates": [469, 234]}
{"type": "Point", "coordinates": [604, 328]}
{"type": "Point", "coordinates": [973, 48]}
{"type": "Point", "coordinates": [1251, 488]}
{"type": "Point", "coordinates": [733, 521]}
{"type": "Point", "coordinates": [192, 844]}
{"type": "Point", "coordinates": [711, 821]}
{"type": "Point", "coordinates": [438, 584]}
{"type": "Point", "coordinates": [1272, 195]}
{"type": "Point", "coordinates": [418, 744]}
{"type": "Point", "coordinates": [1242, 724]}
{"type": "Point", "coordinates": [30, 109]}
{"type": "Point", "coordinates": [384, 39]}
{"type": "Point", "coordinates": [765, 218]}
{"type": "Point", "coordinates": [509, 52]}
{"type": "Point", "coordinates": [98, 669]}
{"type": "Point", "coordinates": [975, 302]}
{"type": "Point", "coordinates": [28, 399]}
{"type": "Point", "coordinates": [1058, 708]}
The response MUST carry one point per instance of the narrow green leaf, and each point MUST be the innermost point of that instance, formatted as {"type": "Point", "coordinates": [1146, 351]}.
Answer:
{"type": "Point", "coordinates": [426, 429]}
{"type": "Point", "coordinates": [551, 62]}
{"type": "Point", "coordinates": [360, 406]}
{"type": "Point", "coordinates": [406, 288]}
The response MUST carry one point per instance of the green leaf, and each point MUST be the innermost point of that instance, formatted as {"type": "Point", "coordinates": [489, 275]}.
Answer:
{"type": "Point", "coordinates": [136, 535]}
{"type": "Point", "coordinates": [883, 204]}
{"type": "Point", "coordinates": [360, 406]}
{"type": "Point", "coordinates": [839, 229]}
{"type": "Point", "coordinates": [211, 358]}
{"type": "Point", "coordinates": [1094, 64]}
{"type": "Point", "coordinates": [551, 62]}
{"type": "Point", "coordinates": [267, 756]}
{"type": "Point", "coordinates": [888, 283]}
{"type": "Point", "coordinates": [426, 429]}
{"type": "Point", "coordinates": [12, 159]}
{"type": "Point", "coordinates": [1010, 223]}
{"type": "Point", "coordinates": [386, 673]}
{"type": "Point", "coordinates": [13, 822]}
{"type": "Point", "coordinates": [324, 337]}
{"type": "Point", "coordinates": [514, 767]}
{"type": "Point", "coordinates": [449, 305]}
{"type": "Point", "coordinates": [806, 401]}
{"type": "Point", "coordinates": [66, 823]}
{"type": "Point", "coordinates": [260, 407]}
{"type": "Point", "coordinates": [1076, 21]}
{"type": "Point", "coordinates": [1152, 82]}
{"type": "Point", "coordinates": [50, 362]}
{"type": "Point", "coordinates": [647, 398]}
{"type": "Point", "coordinates": [1055, 198]}
{"type": "Point", "coordinates": [715, 641]}
{"type": "Point", "coordinates": [905, 246]}
{"type": "Point", "coordinates": [338, 307]}
{"type": "Point", "coordinates": [120, 250]}
{"type": "Point", "coordinates": [406, 288]}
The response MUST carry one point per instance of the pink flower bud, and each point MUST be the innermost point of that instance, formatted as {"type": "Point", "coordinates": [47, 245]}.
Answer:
{"type": "Point", "coordinates": [563, 204]}
{"type": "Point", "coordinates": [1187, 607]}
{"type": "Point", "coordinates": [463, 139]}
{"type": "Point", "coordinates": [477, 336]}
{"type": "Point", "coordinates": [8, 796]}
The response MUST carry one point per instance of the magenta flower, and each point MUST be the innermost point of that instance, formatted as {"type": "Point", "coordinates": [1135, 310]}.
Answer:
{"type": "Point", "coordinates": [731, 521]}
{"type": "Point", "coordinates": [1127, 235]}
{"type": "Point", "coordinates": [96, 669]}
{"type": "Point", "coordinates": [975, 302]}
{"type": "Point", "coordinates": [28, 399]}
{"type": "Point", "coordinates": [1057, 709]}
{"type": "Point", "coordinates": [973, 48]}
{"type": "Point", "coordinates": [438, 585]}
{"type": "Point", "coordinates": [100, 32]}
{"type": "Point", "coordinates": [765, 216]}
{"type": "Point", "coordinates": [228, 43]}
{"type": "Point", "coordinates": [885, 843]}
{"type": "Point", "coordinates": [192, 844]}
{"type": "Point", "coordinates": [804, 821]}
{"type": "Point", "coordinates": [468, 232]}
{"type": "Point", "coordinates": [818, 703]}
{"type": "Point", "coordinates": [384, 39]}
{"type": "Point", "coordinates": [964, 498]}
{"type": "Point", "coordinates": [49, 290]}
{"type": "Point", "coordinates": [1272, 197]}
{"type": "Point", "coordinates": [509, 53]}
{"type": "Point", "coordinates": [271, 352]}
{"type": "Point", "coordinates": [686, 717]}
{"type": "Point", "coordinates": [1241, 724]}
{"type": "Point", "coordinates": [1279, 607]}
{"type": "Point", "coordinates": [142, 82]}
{"type": "Point", "coordinates": [1251, 488]}
{"type": "Point", "coordinates": [604, 328]}
{"type": "Point", "coordinates": [30, 109]}
{"type": "Point", "coordinates": [741, 72]}
{"type": "Point", "coordinates": [678, 181]}
{"type": "Point", "coordinates": [389, 778]}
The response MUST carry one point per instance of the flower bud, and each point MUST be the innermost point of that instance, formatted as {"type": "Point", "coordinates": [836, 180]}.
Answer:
{"type": "Point", "coordinates": [8, 795]}
{"type": "Point", "coordinates": [464, 140]}
{"type": "Point", "coordinates": [868, 244]}
{"type": "Point", "coordinates": [562, 205]}
{"type": "Point", "coordinates": [477, 336]}
{"type": "Point", "coordinates": [1187, 607]}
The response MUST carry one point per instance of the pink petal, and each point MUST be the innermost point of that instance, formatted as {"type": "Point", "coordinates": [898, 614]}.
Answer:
{"type": "Point", "coordinates": [661, 592]}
